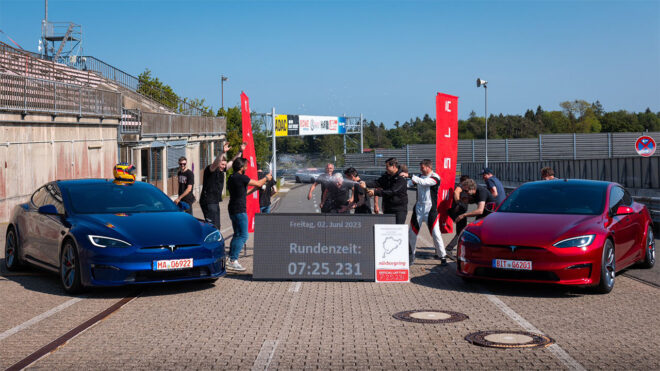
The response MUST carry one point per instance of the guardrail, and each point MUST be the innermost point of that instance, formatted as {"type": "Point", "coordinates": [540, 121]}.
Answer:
{"type": "Point", "coordinates": [26, 94]}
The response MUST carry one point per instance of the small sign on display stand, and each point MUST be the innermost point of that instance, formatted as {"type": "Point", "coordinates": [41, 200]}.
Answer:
{"type": "Point", "coordinates": [391, 253]}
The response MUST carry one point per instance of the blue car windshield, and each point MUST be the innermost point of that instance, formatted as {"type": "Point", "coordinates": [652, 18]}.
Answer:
{"type": "Point", "coordinates": [555, 197]}
{"type": "Point", "coordinates": [110, 198]}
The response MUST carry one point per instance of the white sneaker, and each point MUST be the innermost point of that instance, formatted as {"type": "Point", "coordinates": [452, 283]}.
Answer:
{"type": "Point", "coordinates": [233, 265]}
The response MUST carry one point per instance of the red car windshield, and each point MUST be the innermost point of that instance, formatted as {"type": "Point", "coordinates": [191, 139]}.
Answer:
{"type": "Point", "coordinates": [555, 198]}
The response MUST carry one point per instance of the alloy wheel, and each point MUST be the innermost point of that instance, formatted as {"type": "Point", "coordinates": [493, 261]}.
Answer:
{"type": "Point", "coordinates": [68, 266]}
{"type": "Point", "coordinates": [10, 250]}
{"type": "Point", "coordinates": [610, 266]}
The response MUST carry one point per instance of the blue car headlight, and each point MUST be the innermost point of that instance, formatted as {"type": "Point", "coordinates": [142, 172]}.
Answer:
{"type": "Point", "coordinates": [102, 241]}
{"type": "Point", "coordinates": [470, 238]}
{"type": "Point", "coordinates": [581, 241]}
{"type": "Point", "coordinates": [215, 236]}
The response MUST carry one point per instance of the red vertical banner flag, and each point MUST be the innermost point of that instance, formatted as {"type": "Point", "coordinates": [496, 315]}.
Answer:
{"type": "Point", "coordinates": [446, 154]}
{"type": "Point", "coordinates": [249, 154]}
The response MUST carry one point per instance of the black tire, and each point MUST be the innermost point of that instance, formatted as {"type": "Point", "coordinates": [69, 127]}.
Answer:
{"type": "Point", "coordinates": [649, 247]}
{"type": "Point", "coordinates": [12, 245]}
{"type": "Point", "coordinates": [298, 180]}
{"type": "Point", "coordinates": [607, 269]}
{"type": "Point", "coordinates": [70, 268]}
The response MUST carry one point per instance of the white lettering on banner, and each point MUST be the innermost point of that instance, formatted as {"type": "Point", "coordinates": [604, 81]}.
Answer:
{"type": "Point", "coordinates": [251, 159]}
{"type": "Point", "coordinates": [447, 163]}
{"type": "Point", "coordinates": [448, 135]}
{"type": "Point", "coordinates": [444, 194]}
{"type": "Point", "coordinates": [447, 103]}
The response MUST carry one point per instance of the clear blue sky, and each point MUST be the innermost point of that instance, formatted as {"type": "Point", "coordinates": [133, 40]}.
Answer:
{"type": "Point", "coordinates": [385, 59]}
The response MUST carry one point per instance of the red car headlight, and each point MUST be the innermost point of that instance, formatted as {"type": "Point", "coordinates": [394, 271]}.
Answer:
{"type": "Point", "coordinates": [581, 241]}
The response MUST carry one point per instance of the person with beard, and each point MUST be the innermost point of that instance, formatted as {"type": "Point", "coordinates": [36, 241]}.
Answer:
{"type": "Point", "coordinates": [393, 188]}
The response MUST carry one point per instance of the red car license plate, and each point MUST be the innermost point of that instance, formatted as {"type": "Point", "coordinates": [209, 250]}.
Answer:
{"type": "Point", "coordinates": [512, 264]}
{"type": "Point", "coordinates": [166, 265]}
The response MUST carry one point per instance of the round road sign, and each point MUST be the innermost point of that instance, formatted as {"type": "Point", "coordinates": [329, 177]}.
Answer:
{"type": "Point", "coordinates": [645, 146]}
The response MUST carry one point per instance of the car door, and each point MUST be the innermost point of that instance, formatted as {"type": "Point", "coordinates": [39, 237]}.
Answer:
{"type": "Point", "coordinates": [52, 228]}
{"type": "Point", "coordinates": [622, 227]}
{"type": "Point", "coordinates": [31, 229]}
{"type": "Point", "coordinates": [637, 229]}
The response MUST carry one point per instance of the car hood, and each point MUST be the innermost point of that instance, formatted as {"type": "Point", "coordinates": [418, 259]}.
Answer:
{"type": "Point", "coordinates": [148, 229]}
{"type": "Point", "coordinates": [533, 229]}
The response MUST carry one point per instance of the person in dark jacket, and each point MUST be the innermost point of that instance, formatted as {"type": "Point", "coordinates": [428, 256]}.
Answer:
{"type": "Point", "coordinates": [393, 188]}
{"type": "Point", "coordinates": [359, 200]}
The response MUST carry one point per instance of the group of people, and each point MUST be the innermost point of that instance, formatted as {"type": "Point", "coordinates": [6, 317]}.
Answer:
{"type": "Point", "coordinates": [237, 186]}
{"type": "Point", "coordinates": [343, 193]}
{"type": "Point", "coordinates": [392, 187]}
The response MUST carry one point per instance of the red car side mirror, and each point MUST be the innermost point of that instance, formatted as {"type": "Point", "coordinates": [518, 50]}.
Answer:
{"type": "Point", "coordinates": [623, 210]}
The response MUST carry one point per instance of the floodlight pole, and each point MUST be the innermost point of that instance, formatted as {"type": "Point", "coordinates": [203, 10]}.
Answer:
{"type": "Point", "coordinates": [223, 78]}
{"type": "Point", "coordinates": [486, 109]}
{"type": "Point", "coordinates": [274, 161]}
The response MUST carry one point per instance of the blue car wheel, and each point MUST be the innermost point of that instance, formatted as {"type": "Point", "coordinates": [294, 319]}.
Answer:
{"type": "Point", "coordinates": [70, 268]}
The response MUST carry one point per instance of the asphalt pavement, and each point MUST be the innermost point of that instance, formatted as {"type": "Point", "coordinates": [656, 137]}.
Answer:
{"type": "Point", "coordinates": [238, 323]}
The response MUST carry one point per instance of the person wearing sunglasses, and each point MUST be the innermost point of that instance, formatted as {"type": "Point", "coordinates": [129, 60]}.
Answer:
{"type": "Point", "coordinates": [186, 180]}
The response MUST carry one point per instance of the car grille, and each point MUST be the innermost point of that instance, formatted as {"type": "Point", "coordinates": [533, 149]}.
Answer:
{"type": "Point", "coordinates": [146, 276]}
{"type": "Point", "coordinates": [516, 275]}
{"type": "Point", "coordinates": [508, 247]}
{"type": "Point", "coordinates": [166, 247]}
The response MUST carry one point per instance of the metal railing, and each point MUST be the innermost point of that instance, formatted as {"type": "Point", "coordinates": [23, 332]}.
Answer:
{"type": "Point", "coordinates": [158, 124]}
{"type": "Point", "coordinates": [26, 94]}
{"type": "Point", "coordinates": [126, 80]}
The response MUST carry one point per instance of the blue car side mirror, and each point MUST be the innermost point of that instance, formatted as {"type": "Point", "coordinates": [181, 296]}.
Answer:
{"type": "Point", "coordinates": [184, 205]}
{"type": "Point", "coordinates": [48, 210]}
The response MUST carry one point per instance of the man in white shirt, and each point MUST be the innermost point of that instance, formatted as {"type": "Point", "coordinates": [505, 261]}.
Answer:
{"type": "Point", "coordinates": [426, 210]}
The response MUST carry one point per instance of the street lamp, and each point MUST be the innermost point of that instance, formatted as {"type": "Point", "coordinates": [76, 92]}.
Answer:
{"type": "Point", "coordinates": [484, 83]}
{"type": "Point", "coordinates": [223, 78]}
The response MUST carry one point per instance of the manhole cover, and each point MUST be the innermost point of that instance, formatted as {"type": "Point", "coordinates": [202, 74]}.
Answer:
{"type": "Point", "coordinates": [430, 316]}
{"type": "Point", "coordinates": [509, 339]}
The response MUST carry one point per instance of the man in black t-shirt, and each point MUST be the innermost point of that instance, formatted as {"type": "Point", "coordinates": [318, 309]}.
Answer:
{"type": "Point", "coordinates": [213, 184]}
{"type": "Point", "coordinates": [186, 180]}
{"type": "Point", "coordinates": [360, 199]}
{"type": "Point", "coordinates": [323, 179]}
{"type": "Point", "coordinates": [476, 194]}
{"type": "Point", "coordinates": [237, 184]}
{"type": "Point", "coordinates": [266, 191]}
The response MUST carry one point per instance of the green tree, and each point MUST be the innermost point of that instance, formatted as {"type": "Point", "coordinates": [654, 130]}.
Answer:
{"type": "Point", "coordinates": [155, 89]}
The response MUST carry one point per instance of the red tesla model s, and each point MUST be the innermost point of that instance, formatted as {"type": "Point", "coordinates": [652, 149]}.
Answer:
{"type": "Point", "coordinates": [569, 232]}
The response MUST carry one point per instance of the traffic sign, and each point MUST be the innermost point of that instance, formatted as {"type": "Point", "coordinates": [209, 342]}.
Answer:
{"type": "Point", "coordinates": [645, 146]}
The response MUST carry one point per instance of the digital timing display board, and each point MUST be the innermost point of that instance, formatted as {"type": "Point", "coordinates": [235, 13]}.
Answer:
{"type": "Point", "coordinates": [315, 246]}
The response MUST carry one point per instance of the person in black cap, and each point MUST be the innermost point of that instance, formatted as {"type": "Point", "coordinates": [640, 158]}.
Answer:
{"type": "Point", "coordinates": [393, 187]}
{"type": "Point", "coordinates": [493, 185]}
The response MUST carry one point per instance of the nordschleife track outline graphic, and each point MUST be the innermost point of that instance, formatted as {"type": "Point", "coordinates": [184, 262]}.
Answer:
{"type": "Point", "coordinates": [389, 245]}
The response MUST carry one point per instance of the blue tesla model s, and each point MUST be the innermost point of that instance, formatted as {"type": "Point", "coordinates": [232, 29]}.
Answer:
{"type": "Point", "coordinates": [98, 232]}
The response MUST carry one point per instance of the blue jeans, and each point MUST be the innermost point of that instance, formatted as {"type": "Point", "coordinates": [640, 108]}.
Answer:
{"type": "Point", "coordinates": [240, 224]}
{"type": "Point", "coordinates": [265, 209]}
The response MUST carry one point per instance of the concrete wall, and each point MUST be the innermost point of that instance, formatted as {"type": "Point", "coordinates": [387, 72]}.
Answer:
{"type": "Point", "coordinates": [39, 148]}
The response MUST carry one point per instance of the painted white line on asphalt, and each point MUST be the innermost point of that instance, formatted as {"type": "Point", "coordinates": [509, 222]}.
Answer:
{"type": "Point", "coordinates": [295, 286]}
{"type": "Point", "coordinates": [38, 318]}
{"type": "Point", "coordinates": [560, 353]}
{"type": "Point", "coordinates": [284, 190]}
{"type": "Point", "coordinates": [265, 355]}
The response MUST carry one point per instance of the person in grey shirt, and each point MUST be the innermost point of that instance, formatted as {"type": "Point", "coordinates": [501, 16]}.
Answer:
{"type": "Point", "coordinates": [493, 185]}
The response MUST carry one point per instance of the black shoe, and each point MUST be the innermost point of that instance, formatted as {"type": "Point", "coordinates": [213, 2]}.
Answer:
{"type": "Point", "coordinates": [443, 262]}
